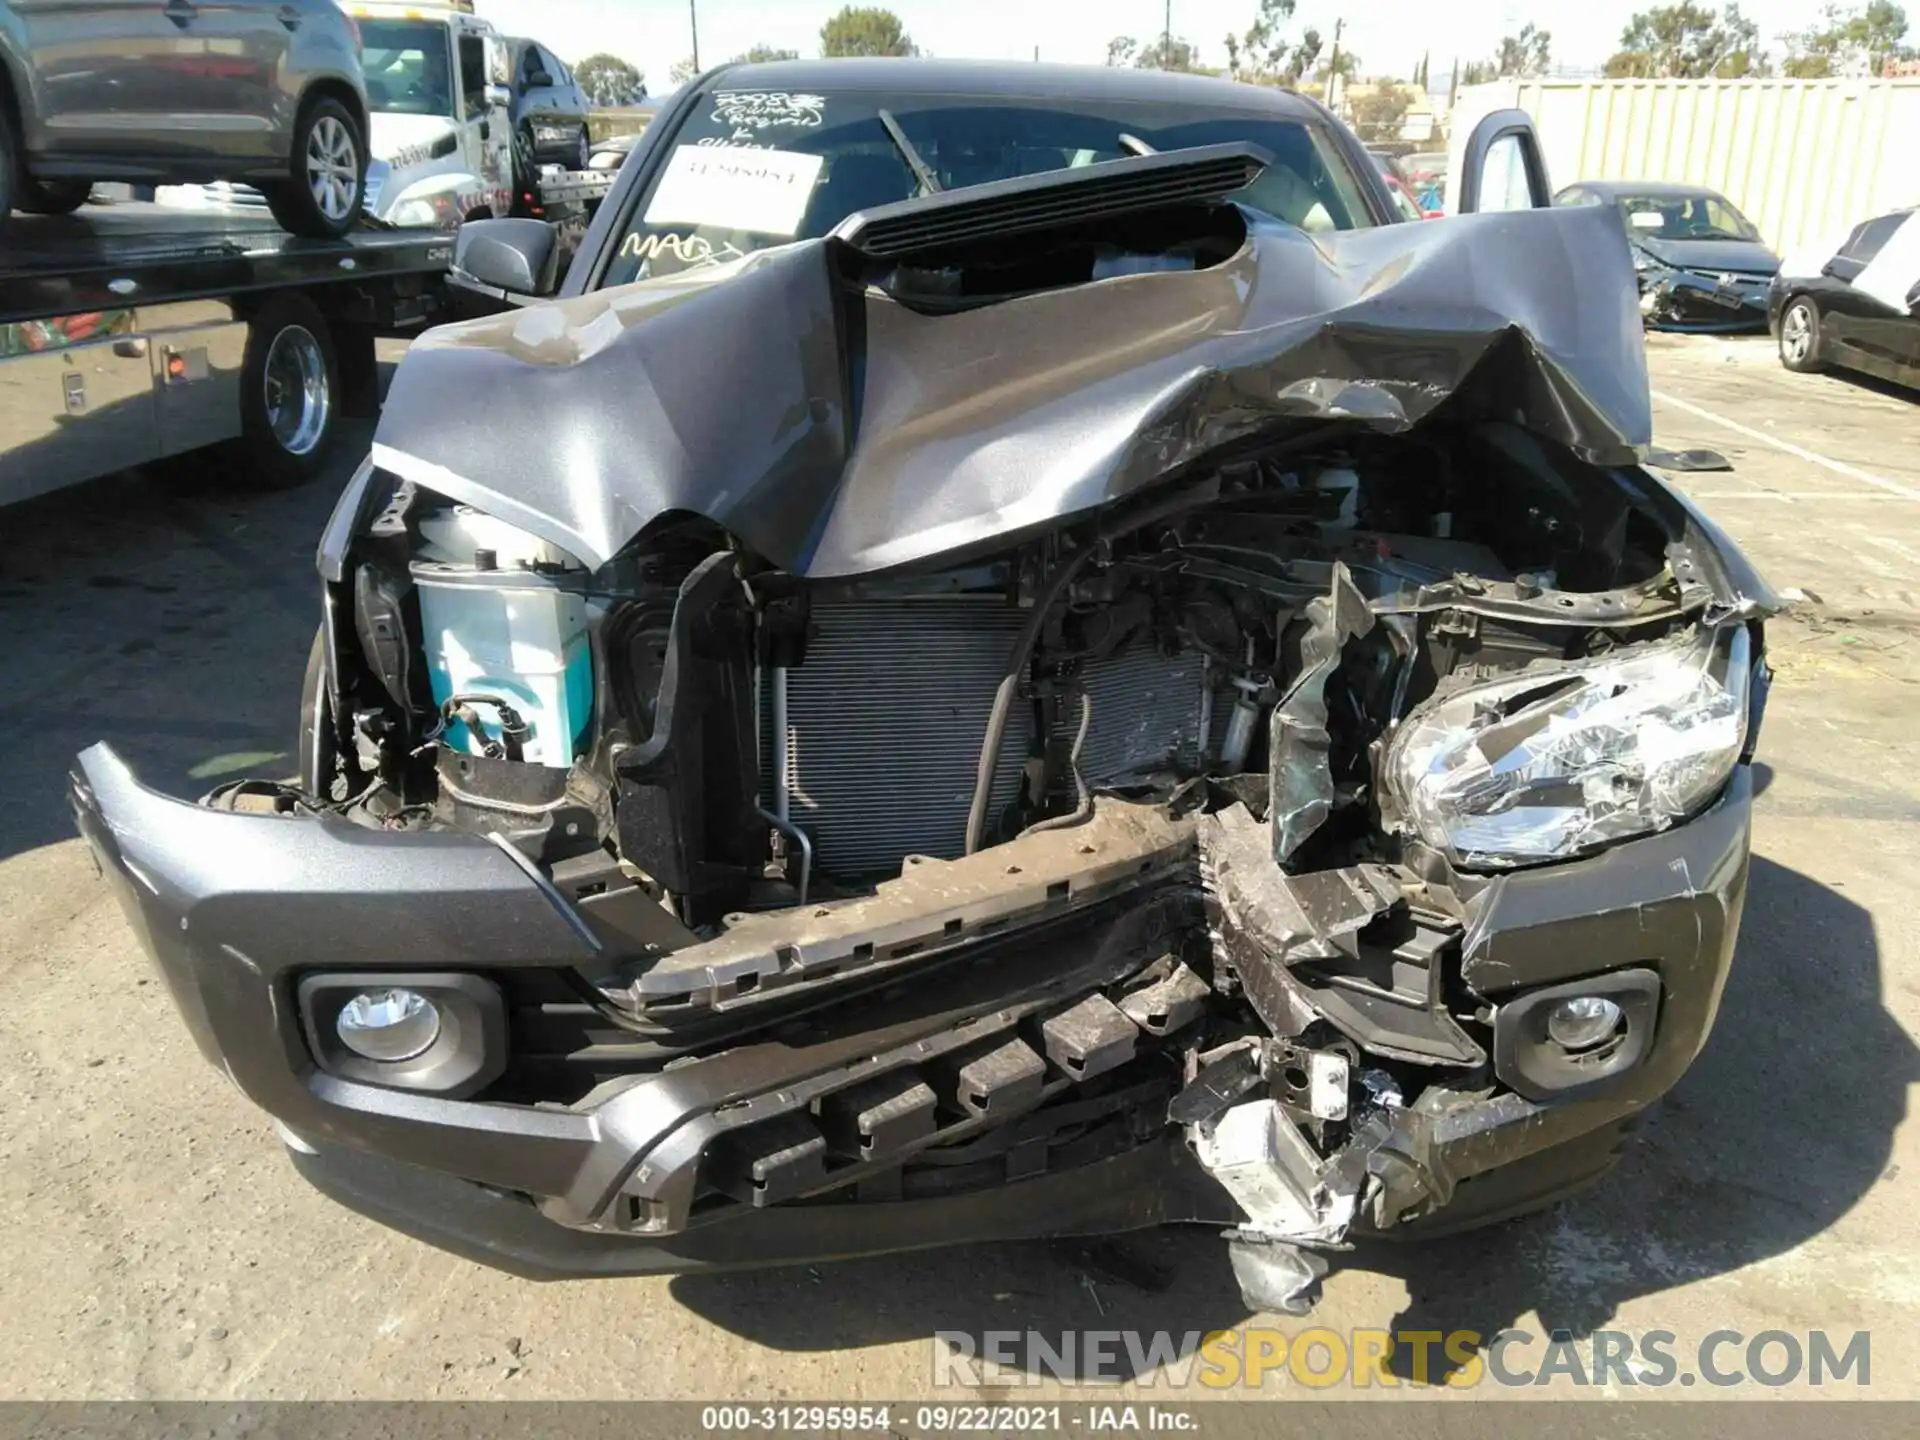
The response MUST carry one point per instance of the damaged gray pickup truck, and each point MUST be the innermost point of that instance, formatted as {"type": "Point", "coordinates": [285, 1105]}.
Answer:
{"type": "Point", "coordinates": [1008, 659]}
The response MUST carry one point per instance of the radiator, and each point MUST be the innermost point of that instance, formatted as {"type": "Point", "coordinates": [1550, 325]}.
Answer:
{"type": "Point", "coordinates": [885, 720]}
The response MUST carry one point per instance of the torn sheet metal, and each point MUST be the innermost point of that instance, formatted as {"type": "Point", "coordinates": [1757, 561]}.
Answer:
{"type": "Point", "coordinates": [1265, 920]}
{"type": "Point", "coordinates": [1290, 917]}
{"type": "Point", "coordinates": [872, 435]}
{"type": "Point", "coordinates": [1293, 942]}
{"type": "Point", "coordinates": [1300, 781]}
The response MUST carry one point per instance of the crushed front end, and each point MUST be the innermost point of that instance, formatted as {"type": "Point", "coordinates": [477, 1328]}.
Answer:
{"type": "Point", "coordinates": [1342, 828]}
{"type": "Point", "coordinates": [1696, 300]}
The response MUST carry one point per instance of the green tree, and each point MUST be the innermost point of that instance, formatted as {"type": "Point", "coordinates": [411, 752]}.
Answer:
{"type": "Point", "coordinates": [609, 80]}
{"type": "Point", "coordinates": [1867, 36]}
{"type": "Point", "coordinates": [1528, 53]}
{"type": "Point", "coordinates": [1168, 53]}
{"type": "Point", "coordinates": [682, 70]}
{"type": "Point", "coordinates": [1345, 63]}
{"type": "Point", "coordinates": [1688, 42]}
{"type": "Point", "coordinates": [1378, 115]}
{"type": "Point", "coordinates": [865, 30]}
{"type": "Point", "coordinates": [762, 53]}
{"type": "Point", "coordinates": [1265, 54]}
{"type": "Point", "coordinates": [1121, 50]}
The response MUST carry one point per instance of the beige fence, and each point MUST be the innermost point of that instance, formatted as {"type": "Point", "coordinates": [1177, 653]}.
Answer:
{"type": "Point", "coordinates": [1803, 158]}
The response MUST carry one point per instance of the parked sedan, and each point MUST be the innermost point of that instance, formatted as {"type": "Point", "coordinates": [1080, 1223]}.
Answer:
{"type": "Point", "coordinates": [1702, 264]}
{"type": "Point", "coordinates": [184, 94]}
{"type": "Point", "coordinates": [549, 108]}
{"type": "Point", "coordinates": [1857, 306]}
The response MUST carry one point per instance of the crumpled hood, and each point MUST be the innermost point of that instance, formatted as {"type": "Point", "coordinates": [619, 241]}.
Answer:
{"type": "Point", "coordinates": [1745, 257]}
{"type": "Point", "coordinates": [837, 433]}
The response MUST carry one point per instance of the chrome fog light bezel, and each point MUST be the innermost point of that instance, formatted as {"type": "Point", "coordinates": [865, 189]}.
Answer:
{"type": "Point", "coordinates": [1580, 1034]}
{"type": "Point", "coordinates": [405, 1036]}
{"type": "Point", "coordinates": [469, 1045]}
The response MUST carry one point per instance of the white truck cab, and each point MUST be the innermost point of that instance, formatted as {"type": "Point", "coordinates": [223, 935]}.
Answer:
{"type": "Point", "coordinates": [442, 141]}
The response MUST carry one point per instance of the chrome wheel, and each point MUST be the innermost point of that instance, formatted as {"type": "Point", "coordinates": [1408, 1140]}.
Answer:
{"type": "Point", "coordinates": [333, 168]}
{"type": "Point", "coordinates": [298, 403]}
{"type": "Point", "coordinates": [583, 153]}
{"type": "Point", "coordinates": [1796, 334]}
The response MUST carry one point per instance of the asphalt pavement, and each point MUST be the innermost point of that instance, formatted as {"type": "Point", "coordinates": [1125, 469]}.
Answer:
{"type": "Point", "coordinates": [158, 1244]}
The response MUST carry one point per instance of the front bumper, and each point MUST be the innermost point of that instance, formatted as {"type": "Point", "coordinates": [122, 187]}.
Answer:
{"type": "Point", "coordinates": [1681, 301]}
{"type": "Point", "coordinates": [236, 908]}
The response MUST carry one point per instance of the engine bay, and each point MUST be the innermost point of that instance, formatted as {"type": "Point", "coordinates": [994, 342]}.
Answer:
{"type": "Point", "coordinates": [737, 740]}
{"type": "Point", "coordinates": [772, 798]}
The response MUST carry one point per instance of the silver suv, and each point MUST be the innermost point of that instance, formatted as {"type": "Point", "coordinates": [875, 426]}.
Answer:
{"type": "Point", "coordinates": [177, 92]}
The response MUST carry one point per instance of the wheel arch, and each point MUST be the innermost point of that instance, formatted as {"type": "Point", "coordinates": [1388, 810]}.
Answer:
{"type": "Point", "coordinates": [331, 87]}
{"type": "Point", "coordinates": [1798, 293]}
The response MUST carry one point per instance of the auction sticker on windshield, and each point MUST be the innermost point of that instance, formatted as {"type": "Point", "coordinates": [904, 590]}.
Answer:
{"type": "Point", "coordinates": [735, 188]}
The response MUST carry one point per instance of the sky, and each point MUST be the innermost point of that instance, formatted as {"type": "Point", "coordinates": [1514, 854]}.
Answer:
{"type": "Point", "coordinates": [1389, 36]}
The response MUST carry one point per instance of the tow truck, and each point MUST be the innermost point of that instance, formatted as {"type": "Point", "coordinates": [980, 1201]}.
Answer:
{"type": "Point", "coordinates": [443, 145]}
{"type": "Point", "coordinates": [135, 331]}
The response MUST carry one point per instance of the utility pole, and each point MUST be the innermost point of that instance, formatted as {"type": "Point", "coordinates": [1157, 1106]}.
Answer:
{"type": "Point", "coordinates": [1333, 62]}
{"type": "Point", "coordinates": [693, 19]}
{"type": "Point", "coordinates": [1166, 39]}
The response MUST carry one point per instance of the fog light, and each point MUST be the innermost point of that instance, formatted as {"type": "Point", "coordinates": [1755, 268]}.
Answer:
{"type": "Point", "coordinates": [1580, 1022]}
{"type": "Point", "coordinates": [390, 1024]}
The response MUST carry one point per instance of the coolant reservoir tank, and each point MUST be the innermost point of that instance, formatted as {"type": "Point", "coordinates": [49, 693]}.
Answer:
{"type": "Point", "coordinates": [506, 614]}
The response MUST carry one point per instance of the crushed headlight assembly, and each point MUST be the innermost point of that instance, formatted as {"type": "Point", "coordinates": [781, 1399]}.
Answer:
{"type": "Point", "coordinates": [1555, 762]}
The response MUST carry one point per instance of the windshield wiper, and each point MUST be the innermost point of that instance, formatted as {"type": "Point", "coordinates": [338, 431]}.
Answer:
{"type": "Point", "coordinates": [928, 184]}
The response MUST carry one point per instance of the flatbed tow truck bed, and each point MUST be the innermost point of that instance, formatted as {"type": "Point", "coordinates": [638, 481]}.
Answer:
{"type": "Point", "coordinates": [107, 256]}
{"type": "Point", "coordinates": [132, 331]}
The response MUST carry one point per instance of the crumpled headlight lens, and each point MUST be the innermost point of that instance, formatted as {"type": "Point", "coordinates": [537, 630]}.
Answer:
{"type": "Point", "coordinates": [1555, 762]}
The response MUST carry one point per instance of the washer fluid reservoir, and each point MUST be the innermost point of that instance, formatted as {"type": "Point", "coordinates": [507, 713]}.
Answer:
{"type": "Point", "coordinates": [504, 614]}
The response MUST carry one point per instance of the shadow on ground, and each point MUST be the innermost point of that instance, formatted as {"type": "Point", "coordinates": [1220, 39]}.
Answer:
{"type": "Point", "coordinates": [1859, 380]}
{"type": "Point", "coordinates": [168, 611]}
{"type": "Point", "coordinates": [1784, 1122]}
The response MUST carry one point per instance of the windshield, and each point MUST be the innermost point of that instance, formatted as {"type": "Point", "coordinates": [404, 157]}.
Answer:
{"type": "Point", "coordinates": [1685, 217]}
{"type": "Point", "coordinates": [406, 66]}
{"type": "Point", "coordinates": [802, 163]}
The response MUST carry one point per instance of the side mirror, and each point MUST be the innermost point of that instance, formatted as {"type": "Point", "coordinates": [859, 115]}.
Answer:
{"type": "Point", "coordinates": [539, 78]}
{"type": "Point", "coordinates": [511, 257]}
{"type": "Point", "coordinates": [497, 95]}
